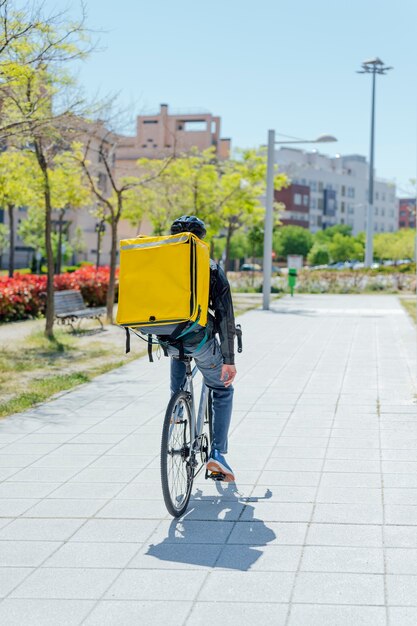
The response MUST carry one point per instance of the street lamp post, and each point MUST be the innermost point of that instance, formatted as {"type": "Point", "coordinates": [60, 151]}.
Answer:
{"type": "Point", "coordinates": [374, 67]}
{"type": "Point", "coordinates": [269, 208]}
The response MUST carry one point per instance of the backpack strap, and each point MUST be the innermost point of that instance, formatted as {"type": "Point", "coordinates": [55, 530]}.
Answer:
{"type": "Point", "coordinates": [127, 339]}
{"type": "Point", "coordinates": [150, 348]}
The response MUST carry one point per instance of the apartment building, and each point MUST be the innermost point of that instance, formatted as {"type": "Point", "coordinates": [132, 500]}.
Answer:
{"type": "Point", "coordinates": [296, 200]}
{"type": "Point", "coordinates": [161, 134]}
{"type": "Point", "coordinates": [339, 190]}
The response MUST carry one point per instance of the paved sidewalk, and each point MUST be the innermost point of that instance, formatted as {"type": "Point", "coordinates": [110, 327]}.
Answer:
{"type": "Point", "coordinates": [321, 528]}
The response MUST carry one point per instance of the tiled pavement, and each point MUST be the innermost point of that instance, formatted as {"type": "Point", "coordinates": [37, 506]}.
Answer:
{"type": "Point", "coordinates": [321, 528]}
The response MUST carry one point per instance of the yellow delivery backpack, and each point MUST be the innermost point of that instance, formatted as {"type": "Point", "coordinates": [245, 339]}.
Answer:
{"type": "Point", "coordinates": [163, 286]}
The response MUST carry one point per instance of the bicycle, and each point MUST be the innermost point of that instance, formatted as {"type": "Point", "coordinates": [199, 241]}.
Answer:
{"type": "Point", "coordinates": [186, 440]}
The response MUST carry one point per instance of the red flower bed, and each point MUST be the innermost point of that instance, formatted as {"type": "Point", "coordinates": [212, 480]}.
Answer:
{"type": "Point", "coordinates": [22, 296]}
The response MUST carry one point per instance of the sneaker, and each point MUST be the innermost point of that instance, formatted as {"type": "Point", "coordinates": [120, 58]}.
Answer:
{"type": "Point", "coordinates": [217, 464]}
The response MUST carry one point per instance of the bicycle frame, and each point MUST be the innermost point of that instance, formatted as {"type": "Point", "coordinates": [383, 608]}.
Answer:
{"type": "Point", "coordinates": [197, 422]}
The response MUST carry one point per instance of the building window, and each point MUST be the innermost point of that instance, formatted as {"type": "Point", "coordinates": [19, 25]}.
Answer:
{"type": "Point", "coordinates": [150, 121]}
{"type": "Point", "coordinates": [155, 145]}
{"type": "Point", "coordinates": [376, 195]}
{"type": "Point", "coordinates": [382, 228]}
{"type": "Point", "coordinates": [351, 208]}
{"type": "Point", "coordinates": [376, 210]}
{"type": "Point", "coordinates": [391, 228]}
{"type": "Point", "coordinates": [102, 181]}
{"type": "Point", "coordinates": [382, 211]}
{"type": "Point", "coordinates": [391, 212]}
{"type": "Point", "coordinates": [144, 145]}
{"type": "Point", "coordinates": [329, 187]}
{"type": "Point", "coordinates": [342, 206]}
{"type": "Point", "coordinates": [383, 197]}
{"type": "Point", "coordinates": [297, 198]}
{"type": "Point", "coordinates": [351, 192]}
{"type": "Point", "coordinates": [342, 221]}
{"type": "Point", "coordinates": [320, 186]}
{"type": "Point", "coordinates": [343, 190]}
{"type": "Point", "coordinates": [303, 181]}
{"type": "Point", "coordinates": [320, 204]}
{"type": "Point", "coordinates": [313, 203]}
{"type": "Point", "coordinates": [196, 126]}
{"type": "Point", "coordinates": [313, 185]}
{"type": "Point", "coordinates": [305, 200]}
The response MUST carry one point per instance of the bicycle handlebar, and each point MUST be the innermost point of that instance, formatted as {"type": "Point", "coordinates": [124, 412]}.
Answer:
{"type": "Point", "coordinates": [239, 338]}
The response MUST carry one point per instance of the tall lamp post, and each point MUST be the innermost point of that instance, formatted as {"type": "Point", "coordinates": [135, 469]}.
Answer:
{"type": "Point", "coordinates": [373, 67]}
{"type": "Point", "coordinates": [269, 207]}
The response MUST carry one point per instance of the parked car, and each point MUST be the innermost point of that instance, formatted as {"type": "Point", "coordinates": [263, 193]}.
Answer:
{"type": "Point", "coordinates": [250, 267]}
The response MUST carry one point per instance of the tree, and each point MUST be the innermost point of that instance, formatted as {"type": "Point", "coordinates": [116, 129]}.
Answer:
{"type": "Point", "coordinates": [325, 235]}
{"type": "Point", "coordinates": [292, 240]}
{"type": "Point", "coordinates": [123, 195]}
{"type": "Point", "coordinates": [40, 107]}
{"type": "Point", "coordinates": [395, 246]}
{"type": "Point", "coordinates": [345, 248]}
{"type": "Point", "coordinates": [319, 254]}
{"type": "Point", "coordinates": [69, 191]}
{"type": "Point", "coordinates": [225, 194]}
{"type": "Point", "coordinates": [18, 187]}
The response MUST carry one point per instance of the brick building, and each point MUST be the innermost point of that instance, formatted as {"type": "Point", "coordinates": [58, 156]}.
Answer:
{"type": "Point", "coordinates": [296, 200]}
{"type": "Point", "coordinates": [407, 213]}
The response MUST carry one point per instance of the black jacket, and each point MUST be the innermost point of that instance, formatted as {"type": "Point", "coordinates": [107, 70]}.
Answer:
{"type": "Point", "coordinates": [221, 319]}
{"type": "Point", "coordinates": [222, 306]}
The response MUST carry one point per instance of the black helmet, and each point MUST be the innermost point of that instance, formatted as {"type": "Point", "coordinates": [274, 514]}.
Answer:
{"type": "Point", "coordinates": [189, 224]}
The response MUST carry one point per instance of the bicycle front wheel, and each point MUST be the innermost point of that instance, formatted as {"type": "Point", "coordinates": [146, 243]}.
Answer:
{"type": "Point", "coordinates": [177, 471]}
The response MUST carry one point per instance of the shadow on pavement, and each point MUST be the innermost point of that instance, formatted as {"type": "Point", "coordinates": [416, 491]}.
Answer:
{"type": "Point", "coordinates": [199, 537]}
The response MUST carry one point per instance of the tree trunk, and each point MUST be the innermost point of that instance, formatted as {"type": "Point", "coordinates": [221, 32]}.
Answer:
{"type": "Point", "coordinates": [112, 277]}
{"type": "Point", "coordinates": [10, 208]}
{"type": "Point", "coordinates": [59, 251]}
{"type": "Point", "coordinates": [50, 310]}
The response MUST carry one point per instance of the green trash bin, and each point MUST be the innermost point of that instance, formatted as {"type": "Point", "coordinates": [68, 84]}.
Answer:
{"type": "Point", "coordinates": [292, 279]}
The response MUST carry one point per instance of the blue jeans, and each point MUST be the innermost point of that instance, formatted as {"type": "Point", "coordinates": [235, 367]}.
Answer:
{"type": "Point", "coordinates": [209, 361]}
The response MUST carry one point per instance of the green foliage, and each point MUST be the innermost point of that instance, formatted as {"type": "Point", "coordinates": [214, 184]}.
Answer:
{"type": "Point", "coordinates": [319, 254]}
{"type": "Point", "coordinates": [255, 237]}
{"type": "Point", "coordinates": [4, 237]}
{"type": "Point", "coordinates": [292, 240]}
{"type": "Point", "coordinates": [395, 246]}
{"type": "Point", "coordinates": [344, 248]}
{"type": "Point", "coordinates": [323, 236]}
{"type": "Point", "coordinates": [225, 194]}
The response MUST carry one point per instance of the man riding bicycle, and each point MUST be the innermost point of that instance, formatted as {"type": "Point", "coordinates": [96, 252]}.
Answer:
{"type": "Point", "coordinates": [214, 360]}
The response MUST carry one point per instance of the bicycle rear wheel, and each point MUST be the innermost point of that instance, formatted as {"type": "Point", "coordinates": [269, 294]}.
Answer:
{"type": "Point", "coordinates": [177, 471]}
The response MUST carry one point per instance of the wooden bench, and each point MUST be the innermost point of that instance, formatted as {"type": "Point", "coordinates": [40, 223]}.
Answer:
{"type": "Point", "coordinates": [70, 308]}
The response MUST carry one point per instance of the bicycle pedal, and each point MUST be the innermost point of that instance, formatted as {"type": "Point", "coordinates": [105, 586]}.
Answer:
{"type": "Point", "coordinates": [217, 476]}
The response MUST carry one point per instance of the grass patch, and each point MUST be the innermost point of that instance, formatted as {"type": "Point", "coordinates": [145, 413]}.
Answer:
{"type": "Point", "coordinates": [33, 368]}
{"type": "Point", "coordinates": [410, 306]}
{"type": "Point", "coordinates": [40, 390]}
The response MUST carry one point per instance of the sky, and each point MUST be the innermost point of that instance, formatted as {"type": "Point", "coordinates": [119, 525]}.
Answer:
{"type": "Point", "coordinates": [260, 64]}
